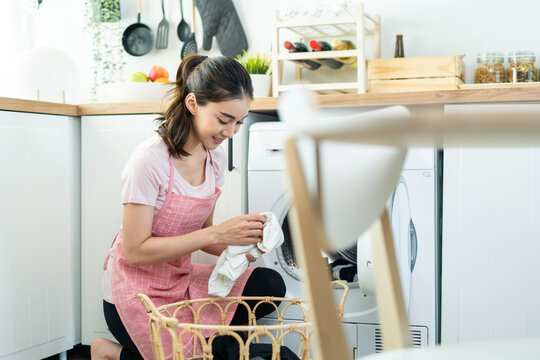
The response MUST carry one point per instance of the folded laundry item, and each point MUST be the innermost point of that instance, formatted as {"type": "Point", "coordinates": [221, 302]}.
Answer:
{"type": "Point", "coordinates": [233, 262]}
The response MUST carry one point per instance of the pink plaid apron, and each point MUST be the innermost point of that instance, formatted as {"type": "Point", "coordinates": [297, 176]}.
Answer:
{"type": "Point", "coordinates": [169, 282]}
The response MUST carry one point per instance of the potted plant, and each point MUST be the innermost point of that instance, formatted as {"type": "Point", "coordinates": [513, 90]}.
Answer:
{"type": "Point", "coordinates": [104, 31]}
{"type": "Point", "coordinates": [258, 66]}
{"type": "Point", "coordinates": [106, 10]}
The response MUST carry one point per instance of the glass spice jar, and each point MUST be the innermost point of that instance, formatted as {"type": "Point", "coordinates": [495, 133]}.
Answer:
{"type": "Point", "coordinates": [489, 68]}
{"type": "Point", "coordinates": [521, 66]}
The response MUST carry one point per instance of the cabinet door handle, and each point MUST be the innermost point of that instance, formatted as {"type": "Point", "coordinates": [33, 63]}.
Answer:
{"type": "Point", "coordinates": [230, 165]}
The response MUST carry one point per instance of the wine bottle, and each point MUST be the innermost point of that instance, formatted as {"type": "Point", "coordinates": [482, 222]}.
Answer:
{"type": "Point", "coordinates": [320, 45]}
{"type": "Point", "coordinates": [301, 47]}
{"type": "Point", "coordinates": [339, 44]}
{"type": "Point", "coordinates": [296, 47]}
{"type": "Point", "coordinates": [324, 46]}
{"type": "Point", "coordinates": [399, 51]}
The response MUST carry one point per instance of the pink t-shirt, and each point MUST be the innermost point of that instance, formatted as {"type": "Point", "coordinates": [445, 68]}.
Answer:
{"type": "Point", "coordinates": [145, 180]}
{"type": "Point", "coordinates": [145, 177]}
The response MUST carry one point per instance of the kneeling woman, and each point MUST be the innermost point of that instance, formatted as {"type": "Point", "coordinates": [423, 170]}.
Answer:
{"type": "Point", "coordinates": [169, 187]}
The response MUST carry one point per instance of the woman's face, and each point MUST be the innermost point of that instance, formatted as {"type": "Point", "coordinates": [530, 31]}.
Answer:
{"type": "Point", "coordinates": [219, 121]}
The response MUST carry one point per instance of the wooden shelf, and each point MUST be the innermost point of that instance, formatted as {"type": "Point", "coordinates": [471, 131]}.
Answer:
{"type": "Point", "coordinates": [319, 55]}
{"type": "Point", "coordinates": [317, 22]}
{"type": "Point", "coordinates": [523, 85]}
{"type": "Point", "coordinates": [343, 88]}
{"type": "Point", "coordinates": [40, 107]}
{"type": "Point", "coordinates": [151, 107]}
{"type": "Point", "coordinates": [472, 96]}
{"type": "Point", "coordinates": [518, 93]}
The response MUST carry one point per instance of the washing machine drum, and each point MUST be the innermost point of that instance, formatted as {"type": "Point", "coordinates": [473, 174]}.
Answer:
{"type": "Point", "coordinates": [286, 256]}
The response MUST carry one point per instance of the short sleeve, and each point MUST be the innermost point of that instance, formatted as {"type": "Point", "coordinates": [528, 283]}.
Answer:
{"type": "Point", "coordinates": [219, 159]}
{"type": "Point", "coordinates": [140, 183]}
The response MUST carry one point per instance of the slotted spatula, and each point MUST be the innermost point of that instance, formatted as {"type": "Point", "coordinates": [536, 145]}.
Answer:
{"type": "Point", "coordinates": [190, 45]}
{"type": "Point", "coordinates": [162, 40]}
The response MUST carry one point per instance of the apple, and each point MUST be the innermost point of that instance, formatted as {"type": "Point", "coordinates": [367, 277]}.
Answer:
{"type": "Point", "coordinates": [138, 77]}
{"type": "Point", "coordinates": [157, 72]}
{"type": "Point", "coordinates": [162, 80]}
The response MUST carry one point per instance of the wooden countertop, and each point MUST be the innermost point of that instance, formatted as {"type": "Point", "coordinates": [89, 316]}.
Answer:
{"type": "Point", "coordinates": [41, 107]}
{"type": "Point", "coordinates": [520, 93]}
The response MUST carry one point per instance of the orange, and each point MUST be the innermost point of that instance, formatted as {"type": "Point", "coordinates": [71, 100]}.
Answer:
{"type": "Point", "coordinates": [162, 80]}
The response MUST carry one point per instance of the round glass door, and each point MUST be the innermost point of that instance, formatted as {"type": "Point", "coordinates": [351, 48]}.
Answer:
{"type": "Point", "coordinates": [400, 218]}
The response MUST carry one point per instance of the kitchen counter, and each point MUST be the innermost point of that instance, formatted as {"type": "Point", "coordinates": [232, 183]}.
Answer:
{"type": "Point", "coordinates": [40, 107]}
{"type": "Point", "coordinates": [269, 105]}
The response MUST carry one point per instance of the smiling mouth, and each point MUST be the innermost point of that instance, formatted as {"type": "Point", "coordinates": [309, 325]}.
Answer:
{"type": "Point", "coordinates": [217, 140]}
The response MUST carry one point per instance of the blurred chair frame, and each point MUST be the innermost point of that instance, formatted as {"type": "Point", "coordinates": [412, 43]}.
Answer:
{"type": "Point", "coordinates": [422, 128]}
{"type": "Point", "coordinates": [307, 224]}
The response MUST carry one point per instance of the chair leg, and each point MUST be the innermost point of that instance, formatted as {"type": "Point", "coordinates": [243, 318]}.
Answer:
{"type": "Point", "coordinates": [307, 237]}
{"type": "Point", "coordinates": [392, 313]}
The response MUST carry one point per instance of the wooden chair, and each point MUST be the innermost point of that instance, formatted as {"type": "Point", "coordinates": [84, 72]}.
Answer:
{"type": "Point", "coordinates": [333, 200]}
{"type": "Point", "coordinates": [343, 203]}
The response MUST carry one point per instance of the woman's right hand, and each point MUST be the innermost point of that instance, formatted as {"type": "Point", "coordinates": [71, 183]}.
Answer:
{"type": "Point", "coordinates": [240, 230]}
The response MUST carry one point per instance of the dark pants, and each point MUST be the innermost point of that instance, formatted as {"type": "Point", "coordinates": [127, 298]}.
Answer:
{"type": "Point", "coordinates": [262, 282]}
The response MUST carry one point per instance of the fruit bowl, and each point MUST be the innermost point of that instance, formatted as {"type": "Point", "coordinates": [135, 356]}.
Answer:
{"type": "Point", "coordinates": [134, 92]}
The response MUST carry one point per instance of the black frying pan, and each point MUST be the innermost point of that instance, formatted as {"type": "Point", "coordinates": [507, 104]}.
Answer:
{"type": "Point", "coordinates": [138, 39]}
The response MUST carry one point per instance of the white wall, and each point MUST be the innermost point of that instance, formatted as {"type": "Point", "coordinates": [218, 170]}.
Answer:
{"type": "Point", "coordinates": [429, 27]}
{"type": "Point", "coordinates": [452, 27]}
{"type": "Point", "coordinates": [57, 24]}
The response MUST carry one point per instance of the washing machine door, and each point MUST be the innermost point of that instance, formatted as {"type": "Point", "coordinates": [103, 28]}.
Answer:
{"type": "Point", "coordinates": [283, 259]}
{"type": "Point", "coordinates": [404, 236]}
{"type": "Point", "coordinates": [285, 253]}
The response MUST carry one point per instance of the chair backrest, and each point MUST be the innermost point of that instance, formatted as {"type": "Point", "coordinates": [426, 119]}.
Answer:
{"type": "Point", "coordinates": [350, 182]}
{"type": "Point", "coordinates": [338, 189]}
{"type": "Point", "coordinates": [348, 191]}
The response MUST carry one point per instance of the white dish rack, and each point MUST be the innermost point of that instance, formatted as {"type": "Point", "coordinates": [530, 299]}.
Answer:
{"type": "Point", "coordinates": [350, 27]}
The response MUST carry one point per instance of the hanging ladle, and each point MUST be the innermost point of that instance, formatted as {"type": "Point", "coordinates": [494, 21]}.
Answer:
{"type": "Point", "coordinates": [183, 29]}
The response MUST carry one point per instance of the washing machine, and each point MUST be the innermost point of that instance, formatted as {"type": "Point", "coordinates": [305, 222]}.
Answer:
{"type": "Point", "coordinates": [413, 209]}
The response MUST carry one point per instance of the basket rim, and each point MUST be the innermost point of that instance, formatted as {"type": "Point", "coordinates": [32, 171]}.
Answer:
{"type": "Point", "coordinates": [212, 300]}
{"type": "Point", "coordinates": [300, 324]}
{"type": "Point", "coordinates": [162, 315]}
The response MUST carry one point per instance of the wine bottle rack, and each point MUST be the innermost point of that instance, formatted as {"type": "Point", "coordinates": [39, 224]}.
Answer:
{"type": "Point", "coordinates": [355, 27]}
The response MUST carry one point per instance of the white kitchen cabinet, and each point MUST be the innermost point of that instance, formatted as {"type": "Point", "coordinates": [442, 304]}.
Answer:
{"type": "Point", "coordinates": [39, 234]}
{"type": "Point", "coordinates": [491, 240]}
{"type": "Point", "coordinates": [107, 143]}
{"type": "Point", "coordinates": [229, 203]}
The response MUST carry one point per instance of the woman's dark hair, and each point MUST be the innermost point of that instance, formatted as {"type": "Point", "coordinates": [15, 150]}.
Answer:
{"type": "Point", "coordinates": [212, 79]}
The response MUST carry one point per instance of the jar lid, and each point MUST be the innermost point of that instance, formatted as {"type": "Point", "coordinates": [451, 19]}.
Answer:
{"type": "Point", "coordinates": [490, 56]}
{"type": "Point", "coordinates": [521, 55]}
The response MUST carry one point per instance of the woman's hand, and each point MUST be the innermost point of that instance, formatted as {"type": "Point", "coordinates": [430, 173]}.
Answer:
{"type": "Point", "coordinates": [252, 258]}
{"type": "Point", "coordinates": [240, 230]}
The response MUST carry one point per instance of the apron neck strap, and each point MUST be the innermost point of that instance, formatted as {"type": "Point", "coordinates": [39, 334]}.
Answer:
{"type": "Point", "coordinates": [171, 174]}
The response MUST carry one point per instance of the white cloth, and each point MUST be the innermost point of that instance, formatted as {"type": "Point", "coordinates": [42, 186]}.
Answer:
{"type": "Point", "coordinates": [233, 262]}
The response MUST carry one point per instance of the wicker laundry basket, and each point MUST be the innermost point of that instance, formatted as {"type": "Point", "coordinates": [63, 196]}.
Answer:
{"type": "Point", "coordinates": [163, 323]}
